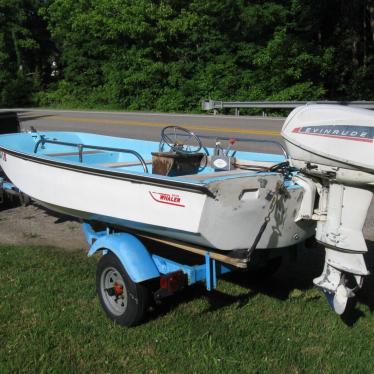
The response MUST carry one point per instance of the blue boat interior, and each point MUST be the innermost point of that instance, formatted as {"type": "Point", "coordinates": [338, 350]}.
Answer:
{"type": "Point", "coordinates": [117, 154]}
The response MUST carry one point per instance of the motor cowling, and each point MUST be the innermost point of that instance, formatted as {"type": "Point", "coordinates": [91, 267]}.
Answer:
{"type": "Point", "coordinates": [331, 135]}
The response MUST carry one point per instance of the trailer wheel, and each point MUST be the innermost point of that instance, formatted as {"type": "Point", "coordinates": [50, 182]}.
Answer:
{"type": "Point", "coordinates": [123, 301]}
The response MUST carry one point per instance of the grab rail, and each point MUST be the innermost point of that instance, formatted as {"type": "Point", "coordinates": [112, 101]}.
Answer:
{"type": "Point", "coordinates": [245, 140]}
{"type": "Point", "coordinates": [80, 147]}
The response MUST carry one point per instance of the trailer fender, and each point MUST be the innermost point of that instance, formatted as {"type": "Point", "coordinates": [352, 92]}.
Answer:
{"type": "Point", "coordinates": [132, 253]}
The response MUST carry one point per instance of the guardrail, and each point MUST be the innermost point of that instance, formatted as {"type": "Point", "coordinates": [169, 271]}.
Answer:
{"type": "Point", "coordinates": [217, 105]}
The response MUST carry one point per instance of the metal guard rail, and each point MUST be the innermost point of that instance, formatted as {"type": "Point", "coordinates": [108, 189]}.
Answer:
{"type": "Point", "coordinates": [214, 104]}
{"type": "Point", "coordinates": [100, 148]}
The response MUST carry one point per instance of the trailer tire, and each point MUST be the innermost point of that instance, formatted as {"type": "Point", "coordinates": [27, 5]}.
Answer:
{"type": "Point", "coordinates": [124, 301]}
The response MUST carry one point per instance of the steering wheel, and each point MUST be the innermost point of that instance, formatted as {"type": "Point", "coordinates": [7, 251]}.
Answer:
{"type": "Point", "coordinates": [180, 140]}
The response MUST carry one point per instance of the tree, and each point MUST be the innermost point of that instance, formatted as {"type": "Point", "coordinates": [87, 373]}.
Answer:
{"type": "Point", "coordinates": [25, 49]}
{"type": "Point", "coordinates": [169, 54]}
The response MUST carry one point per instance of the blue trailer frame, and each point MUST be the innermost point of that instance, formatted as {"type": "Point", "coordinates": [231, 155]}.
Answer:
{"type": "Point", "coordinates": [142, 265]}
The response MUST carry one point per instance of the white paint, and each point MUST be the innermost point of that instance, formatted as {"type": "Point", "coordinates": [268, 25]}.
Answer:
{"type": "Point", "coordinates": [224, 222]}
{"type": "Point", "coordinates": [324, 150]}
{"type": "Point", "coordinates": [104, 196]}
{"type": "Point", "coordinates": [220, 163]}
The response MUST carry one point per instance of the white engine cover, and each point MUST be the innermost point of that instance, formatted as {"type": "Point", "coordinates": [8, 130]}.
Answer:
{"type": "Point", "coordinates": [331, 135]}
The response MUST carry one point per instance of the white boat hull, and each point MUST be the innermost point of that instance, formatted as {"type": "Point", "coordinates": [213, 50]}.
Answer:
{"type": "Point", "coordinates": [228, 218]}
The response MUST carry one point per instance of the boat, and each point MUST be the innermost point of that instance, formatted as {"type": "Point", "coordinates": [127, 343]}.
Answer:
{"type": "Point", "coordinates": [178, 188]}
{"type": "Point", "coordinates": [223, 201]}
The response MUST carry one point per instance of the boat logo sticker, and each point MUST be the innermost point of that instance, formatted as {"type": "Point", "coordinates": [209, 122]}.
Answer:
{"type": "Point", "coordinates": [347, 132]}
{"type": "Point", "coordinates": [167, 198]}
{"type": "Point", "coordinates": [3, 156]}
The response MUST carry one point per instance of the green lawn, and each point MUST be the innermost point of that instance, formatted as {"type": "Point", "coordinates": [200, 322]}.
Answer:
{"type": "Point", "coordinates": [51, 321]}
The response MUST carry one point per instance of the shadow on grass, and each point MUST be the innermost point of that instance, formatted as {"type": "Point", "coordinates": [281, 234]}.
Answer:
{"type": "Point", "coordinates": [297, 275]}
{"type": "Point", "coordinates": [215, 298]}
{"type": "Point", "coordinates": [293, 274]}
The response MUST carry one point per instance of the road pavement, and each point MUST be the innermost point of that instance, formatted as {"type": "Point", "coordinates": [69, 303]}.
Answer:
{"type": "Point", "coordinates": [149, 125]}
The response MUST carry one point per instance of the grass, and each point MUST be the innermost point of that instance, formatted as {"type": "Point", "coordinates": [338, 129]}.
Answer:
{"type": "Point", "coordinates": [51, 321]}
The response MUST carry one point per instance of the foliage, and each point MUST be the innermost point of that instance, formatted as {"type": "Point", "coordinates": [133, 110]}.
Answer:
{"type": "Point", "coordinates": [25, 48]}
{"type": "Point", "coordinates": [168, 55]}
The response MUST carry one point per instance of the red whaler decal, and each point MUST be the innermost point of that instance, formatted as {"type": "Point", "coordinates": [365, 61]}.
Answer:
{"type": "Point", "coordinates": [166, 198]}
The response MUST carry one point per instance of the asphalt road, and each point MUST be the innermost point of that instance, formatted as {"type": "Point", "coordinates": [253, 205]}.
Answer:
{"type": "Point", "coordinates": [149, 125]}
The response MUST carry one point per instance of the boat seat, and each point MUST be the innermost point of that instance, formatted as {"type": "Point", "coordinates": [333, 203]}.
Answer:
{"type": "Point", "coordinates": [217, 174]}
{"type": "Point", "coordinates": [245, 163]}
{"type": "Point", "coordinates": [250, 166]}
{"type": "Point", "coordinates": [72, 153]}
{"type": "Point", "coordinates": [123, 164]}
{"type": "Point", "coordinates": [255, 164]}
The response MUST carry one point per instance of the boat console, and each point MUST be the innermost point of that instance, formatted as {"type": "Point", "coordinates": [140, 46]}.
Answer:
{"type": "Point", "coordinates": [174, 164]}
{"type": "Point", "coordinates": [183, 156]}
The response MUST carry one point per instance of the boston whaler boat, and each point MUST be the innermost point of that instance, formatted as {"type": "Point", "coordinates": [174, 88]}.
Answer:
{"type": "Point", "coordinates": [223, 204]}
{"type": "Point", "coordinates": [179, 194]}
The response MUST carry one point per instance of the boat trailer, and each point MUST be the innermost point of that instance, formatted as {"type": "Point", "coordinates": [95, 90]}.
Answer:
{"type": "Point", "coordinates": [128, 273]}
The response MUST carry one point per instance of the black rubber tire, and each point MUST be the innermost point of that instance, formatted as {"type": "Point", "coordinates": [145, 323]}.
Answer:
{"type": "Point", "coordinates": [137, 295]}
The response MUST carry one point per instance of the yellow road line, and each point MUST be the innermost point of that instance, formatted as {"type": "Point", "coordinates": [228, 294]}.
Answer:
{"type": "Point", "coordinates": [104, 121]}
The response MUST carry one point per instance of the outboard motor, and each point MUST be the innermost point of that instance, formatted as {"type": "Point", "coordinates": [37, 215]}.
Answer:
{"type": "Point", "coordinates": [333, 148]}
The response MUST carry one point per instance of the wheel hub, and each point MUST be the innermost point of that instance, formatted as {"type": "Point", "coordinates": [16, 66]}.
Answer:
{"type": "Point", "coordinates": [118, 289]}
{"type": "Point", "coordinates": [112, 288]}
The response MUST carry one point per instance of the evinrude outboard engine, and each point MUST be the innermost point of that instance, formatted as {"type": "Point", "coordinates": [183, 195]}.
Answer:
{"type": "Point", "coordinates": [333, 148]}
